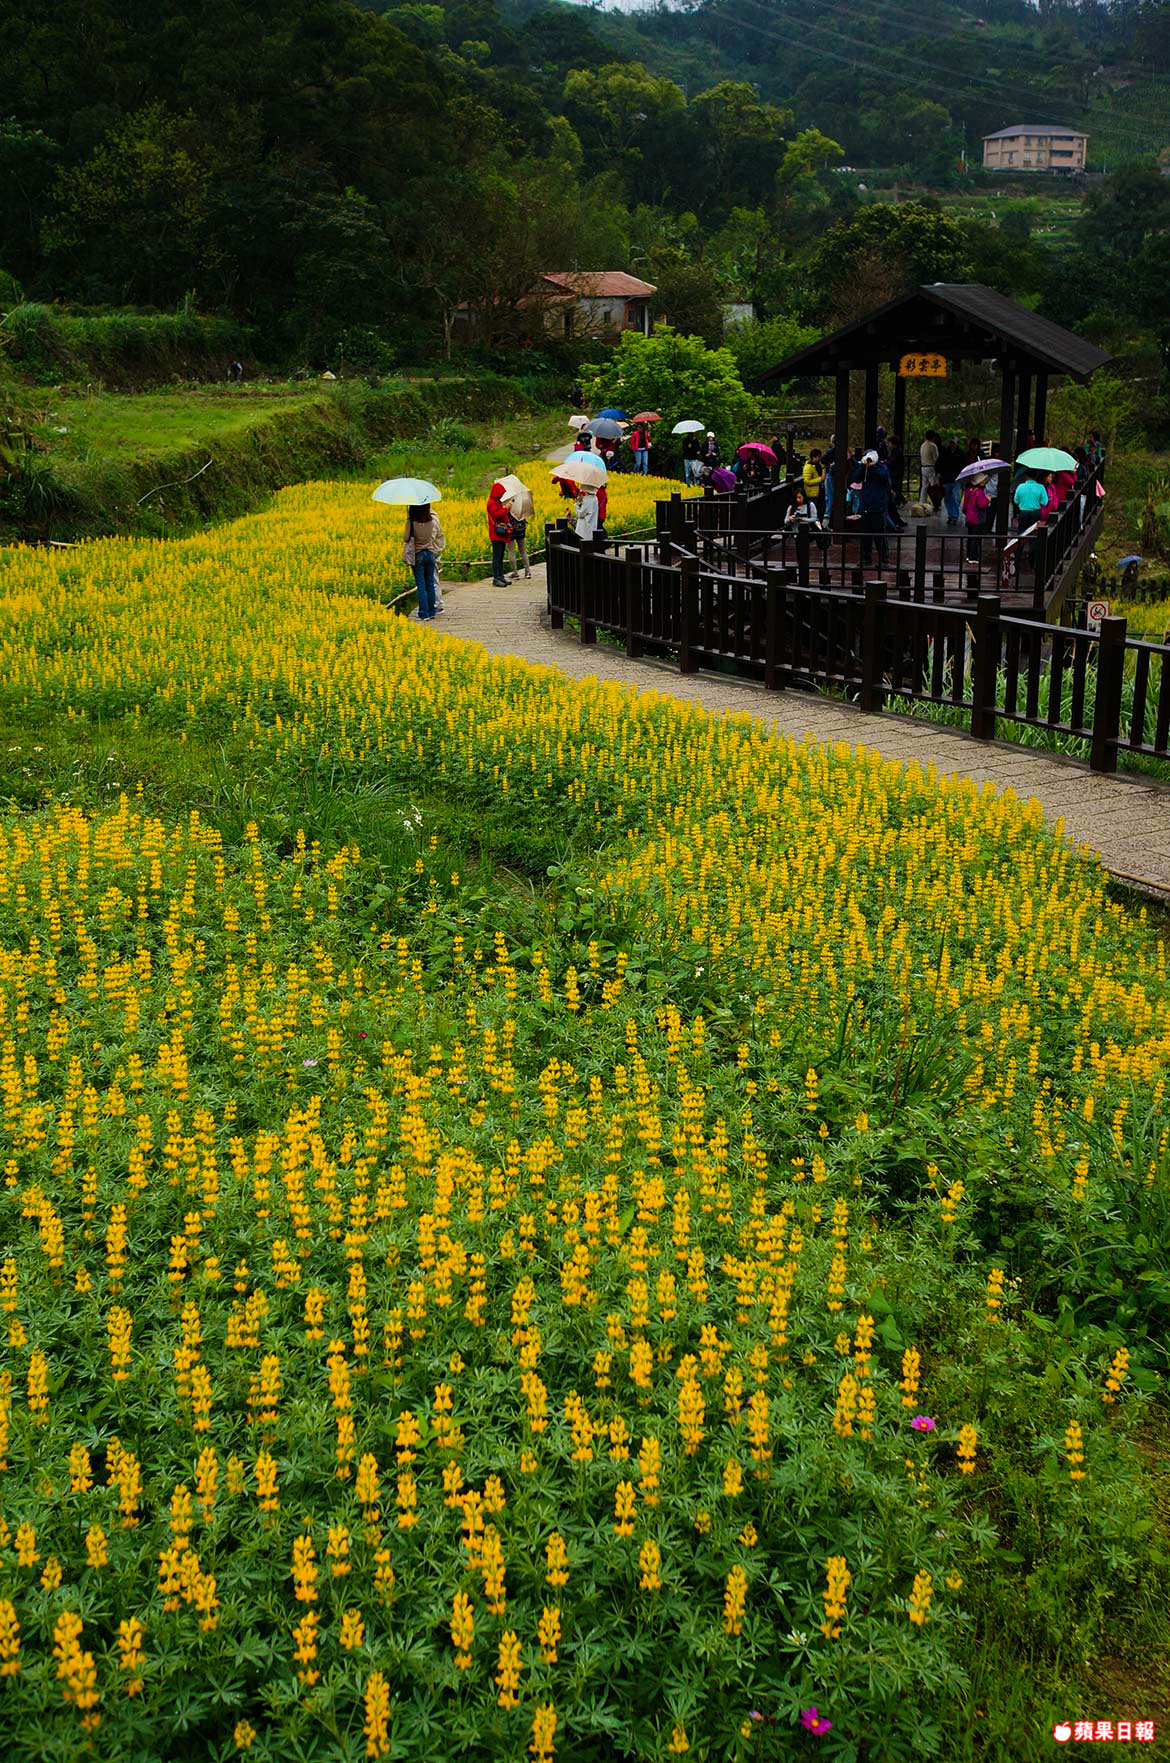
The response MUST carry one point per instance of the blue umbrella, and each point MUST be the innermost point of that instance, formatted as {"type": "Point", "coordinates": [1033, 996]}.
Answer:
{"type": "Point", "coordinates": [614, 415]}
{"type": "Point", "coordinates": [405, 492]}
{"type": "Point", "coordinates": [1128, 562]}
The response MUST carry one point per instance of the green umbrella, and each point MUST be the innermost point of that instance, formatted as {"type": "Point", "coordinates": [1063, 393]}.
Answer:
{"type": "Point", "coordinates": [1047, 459]}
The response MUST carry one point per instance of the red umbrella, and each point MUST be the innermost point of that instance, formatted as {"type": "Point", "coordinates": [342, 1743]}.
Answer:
{"type": "Point", "coordinates": [647, 416]}
{"type": "Point", "coordinates": [759, 449]}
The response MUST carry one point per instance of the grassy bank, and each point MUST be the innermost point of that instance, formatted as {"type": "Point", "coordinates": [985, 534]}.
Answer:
{"type": "Point", "coordinates": [48, 345]}
{"type": "Point", "coordinates": [164, 463]}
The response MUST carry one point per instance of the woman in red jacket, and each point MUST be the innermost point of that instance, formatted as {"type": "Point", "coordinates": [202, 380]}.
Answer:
{"type": "Point", "coordinates": [499, 526]}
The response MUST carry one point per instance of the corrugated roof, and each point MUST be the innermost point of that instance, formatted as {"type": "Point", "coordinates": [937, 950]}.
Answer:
{"type": "Point", "coordinates": [993, 325]}
{"type": "Point", "coordinates": [613, 284]}
{"type": "Point", "coordinates": [1033, 128]}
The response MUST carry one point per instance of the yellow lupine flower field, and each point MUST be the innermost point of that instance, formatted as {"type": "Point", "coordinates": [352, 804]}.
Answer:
{"type": "Point", "coordinates": [361, 527]}
{"type": "Point", "coordinates": [539, 1223]}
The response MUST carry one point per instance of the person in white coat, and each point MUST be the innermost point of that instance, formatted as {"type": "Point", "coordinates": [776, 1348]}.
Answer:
{"type": "Point", "coordinates": [586, 513]}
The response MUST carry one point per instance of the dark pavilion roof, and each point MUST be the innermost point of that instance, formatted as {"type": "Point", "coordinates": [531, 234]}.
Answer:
{"type": "Point", "coordinates": [962, 320]}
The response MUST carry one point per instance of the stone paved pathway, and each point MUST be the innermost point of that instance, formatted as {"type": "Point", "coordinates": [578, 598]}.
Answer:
{"type": "Point", "coordinates": [1125, 820]}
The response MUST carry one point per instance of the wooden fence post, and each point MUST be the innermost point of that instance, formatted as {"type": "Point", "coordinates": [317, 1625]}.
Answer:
{"type": "Point", "coordinates": [633, 564]}
{"type": "Point", "coordinates": [985, 667]}
{"type": "Point", "coordinates": [1107, 708]}
{"type": "Point", "coordinates": [1042, 548]}
{"type": "Point", "coordinates": [557, 561]}
{"type": "Point", "coordinates": [871, 646]}
{"type": "Point", "coordinates": [688, 613]}
{"type": "Point", "coordinates": [588, 597]}
{"type": "Point", "coordinates": [920, 559]}
{"type": "Point", "coordinates": [802, 548]}
{"type": "Point", "coordinates": [774, 597]}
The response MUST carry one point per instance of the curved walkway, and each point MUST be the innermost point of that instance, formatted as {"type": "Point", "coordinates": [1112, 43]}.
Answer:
{"type": "Point", "coordinates": [1124, 819]}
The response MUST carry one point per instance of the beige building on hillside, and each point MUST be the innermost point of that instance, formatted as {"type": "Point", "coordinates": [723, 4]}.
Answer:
{"type": "Point", "coordinates": [1034, 146]}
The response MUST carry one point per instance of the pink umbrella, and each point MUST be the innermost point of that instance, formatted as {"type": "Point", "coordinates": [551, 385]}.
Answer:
{"type": "Point", "coordinates": [760, 450]}
{"type": "Point", "coordinates": [978, 465]}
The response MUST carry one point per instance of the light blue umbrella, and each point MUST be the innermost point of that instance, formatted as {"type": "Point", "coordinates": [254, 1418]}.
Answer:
{"type": "Point", "coordinates": [403, 492]}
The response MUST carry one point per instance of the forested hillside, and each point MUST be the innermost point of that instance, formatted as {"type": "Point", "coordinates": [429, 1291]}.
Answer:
{"type": "Point", "coordinates": [343, 180]}
{"type": "Point", "coordinates": [913, 85]}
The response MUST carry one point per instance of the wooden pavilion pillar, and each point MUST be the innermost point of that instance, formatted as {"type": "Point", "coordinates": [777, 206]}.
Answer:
{"type": "Point", "coordinates": [1007, 400]}
{"type": "Point", "coordinates": [899, 427]}
{"type": "Point", "coordinates": [1040, 413]}
{"type": "Point", "coordinates": [870, 423]}
{"type": "Point", "coordinates": [1023, 409]}
{"type": "Point", "coordinates": [841, 443]}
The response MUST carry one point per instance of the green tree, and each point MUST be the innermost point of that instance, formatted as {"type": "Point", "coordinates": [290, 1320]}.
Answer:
{"type": "Point", "coordinates": [28, 163]}
{"type": "Point", "coordinates": [883, 250]}
{"type": "Point", "coordinates": [739, 141]}
{"type": "Point", "coordinates": [758, 346]}
{"type": "Point", "coordinates": [342, 270]}
{"type": "Point", "coordinates": [805, 188]}
{"type": "Point", "coordinates": [618, 106]}
{"type": "Point", "coordinates": [676, 375]}
{"type": "Point", "coordinates": [1105, 403]}
{"type": "Point", "coordinates": [134, 215]}
{"type": "Point", "coordinates": [689, 297]}
{"type": "Point", "coordinates": [904, 128]}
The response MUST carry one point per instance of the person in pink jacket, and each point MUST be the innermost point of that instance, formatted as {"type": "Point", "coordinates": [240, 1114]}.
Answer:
{"type": "Point", "coordinates": [976, 502]}
{"type": "Point", "coordinates": [1053, 497]}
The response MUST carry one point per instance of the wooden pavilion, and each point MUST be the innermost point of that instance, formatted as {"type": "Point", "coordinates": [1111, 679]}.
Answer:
{"type": "Point", "coordinates": [944, 322]}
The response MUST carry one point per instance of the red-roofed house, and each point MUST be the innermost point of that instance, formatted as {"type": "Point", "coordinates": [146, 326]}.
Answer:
{"type": "Point", "coordinates": [599, 303]}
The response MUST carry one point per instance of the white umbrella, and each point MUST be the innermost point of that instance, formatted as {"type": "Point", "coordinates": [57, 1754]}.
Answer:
{"type": "Point", "coordinates": [402, 492]}
{"type": "Point", "coordinates": [583, 468]}
{"type": "Point", "coordinates": [578, 422]}
{"type": "Point", "coordinates": [688, 428]}
{"type": "Point", "coordinates": [517, 493]}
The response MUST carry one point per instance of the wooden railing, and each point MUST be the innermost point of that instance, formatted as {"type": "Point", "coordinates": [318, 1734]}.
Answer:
{"type": "Point", "coordinates": [1102, 688]}
{"type": "Point", "coordinates": [743, 533]}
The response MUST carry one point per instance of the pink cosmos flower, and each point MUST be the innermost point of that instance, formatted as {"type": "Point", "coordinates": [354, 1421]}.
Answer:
{"type": "Point", "coordinates": [922, 1423]}
{"type": "Point", "coordinates": [812, 1721]}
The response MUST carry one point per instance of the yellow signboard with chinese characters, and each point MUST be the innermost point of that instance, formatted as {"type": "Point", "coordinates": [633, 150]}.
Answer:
{"type": "Point", "coordinates": [923, 367]}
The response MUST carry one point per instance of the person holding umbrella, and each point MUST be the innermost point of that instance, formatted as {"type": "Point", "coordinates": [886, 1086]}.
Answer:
{"type": "Point", "coordinates": [499, 532]}
{"type": "Point", "coordinates": [588, 475]}
{"type": "Point", "coordinates": [517, 499]}
{"type": "Point", "coordinates": [423, 540]}
{"type": "Point", "coordinates": [588, 514]}
{"type": "Point", "coordinates": [976, 503]}
{"type": "Point", "coordinates": [422, 547]}
{"type": "Point", "coordinates": [640, 440]}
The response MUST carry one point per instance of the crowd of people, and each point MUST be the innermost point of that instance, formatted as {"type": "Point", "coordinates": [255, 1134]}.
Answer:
{"type": "Point", "coordinates": [878, 491]}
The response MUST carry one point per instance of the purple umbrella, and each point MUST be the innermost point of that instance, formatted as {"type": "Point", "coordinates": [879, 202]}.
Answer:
{"type": "Point", "coordinates": [978, 465]}
{"type": "Point", "coordinates": [724, 479]}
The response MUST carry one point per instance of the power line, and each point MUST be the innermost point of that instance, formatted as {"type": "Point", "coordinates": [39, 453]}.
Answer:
{"type": "Point", "coordinates": [892, 54]}
{"type": "Point", "coordinates": [906, 79]}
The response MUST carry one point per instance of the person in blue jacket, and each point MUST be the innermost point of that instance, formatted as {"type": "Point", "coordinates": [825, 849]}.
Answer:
{"type": "Point", "coordinates": [875, 500]}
